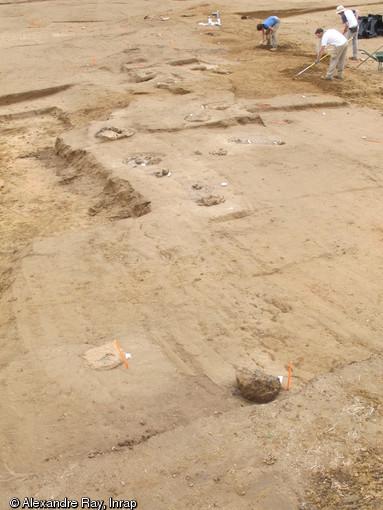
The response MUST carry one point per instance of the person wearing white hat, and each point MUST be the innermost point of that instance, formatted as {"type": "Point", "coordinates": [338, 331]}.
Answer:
{"type": "Point", "coordinates": [350, 20]}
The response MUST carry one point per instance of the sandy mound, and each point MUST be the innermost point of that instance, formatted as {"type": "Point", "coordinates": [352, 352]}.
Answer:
{"type": "Point", "coordinates": [103, 357]}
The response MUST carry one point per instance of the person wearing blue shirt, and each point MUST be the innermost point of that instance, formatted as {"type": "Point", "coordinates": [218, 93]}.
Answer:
{"type": "Point", "coordinates": [269, 28]}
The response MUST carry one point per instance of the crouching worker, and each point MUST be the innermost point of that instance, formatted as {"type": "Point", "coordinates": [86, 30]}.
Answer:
{"type": "Point", "coordinates": [338, 55]}
{"type": "Point", "coordinates": [269, 28]}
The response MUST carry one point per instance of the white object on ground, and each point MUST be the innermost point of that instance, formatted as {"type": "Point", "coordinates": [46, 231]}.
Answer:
{"type": "Point", "coordinates": [210, 22]}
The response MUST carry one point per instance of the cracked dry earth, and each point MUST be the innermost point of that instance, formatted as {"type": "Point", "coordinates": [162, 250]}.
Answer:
{"type": "Point", "coordinates": [170, 186]}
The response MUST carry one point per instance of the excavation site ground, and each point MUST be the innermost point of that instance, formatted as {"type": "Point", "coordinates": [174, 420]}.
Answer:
{"type": "Point", "coordinates": [174, 187]}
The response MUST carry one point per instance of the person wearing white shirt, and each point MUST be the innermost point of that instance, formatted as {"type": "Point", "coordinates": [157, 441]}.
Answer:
{"type": "Point", "coordinates": [338, 55]}
{"type": "Point", "coordinates": [350, 20]}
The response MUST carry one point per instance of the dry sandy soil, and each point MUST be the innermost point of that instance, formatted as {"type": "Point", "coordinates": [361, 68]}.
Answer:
{"type": "Point", "coordinates": [227, 216]}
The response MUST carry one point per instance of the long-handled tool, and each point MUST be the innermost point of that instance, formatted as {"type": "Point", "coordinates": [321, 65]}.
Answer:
{"type": "Point", "coordinates": [369, 56]}
{"type": "Point", "coordinates": [313, 64]}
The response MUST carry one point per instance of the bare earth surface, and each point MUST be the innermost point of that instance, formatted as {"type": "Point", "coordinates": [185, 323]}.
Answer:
{"type": "Point", "coordinates": [171, 186]}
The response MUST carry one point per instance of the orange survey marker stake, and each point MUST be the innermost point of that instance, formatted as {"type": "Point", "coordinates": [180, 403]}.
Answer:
{"type": "Point", "coordinates": [288, 380]}
{"type": "Point", "coordinates": [173, 45]}
{"type": "Point", "coordinates": [121, 353]}
{"type": "Point", "coordinates": [32, 21]}
{"type": "Point", "coordinates": [94, 60]}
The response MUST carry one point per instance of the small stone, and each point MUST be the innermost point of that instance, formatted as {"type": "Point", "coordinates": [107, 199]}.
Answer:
{"type": "Point", "coordinates": [270, 459]}
{"type": "Point", "coordinates": [211, 200]}
{"type": "Point", "coordinates": [353, 498]}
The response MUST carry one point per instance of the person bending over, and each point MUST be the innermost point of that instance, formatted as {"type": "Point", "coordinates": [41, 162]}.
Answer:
{"type": "Point", "coordinates": [338, 55]}
{"type": "Point", "coordinates": [269, 29]}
